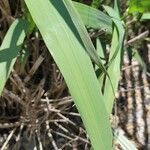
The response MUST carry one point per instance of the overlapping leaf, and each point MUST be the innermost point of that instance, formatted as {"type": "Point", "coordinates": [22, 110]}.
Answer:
{"type": "Point", "coordinates": [115, 59]}
{"type": "Point", "coordinates": [94, 18]}
{"type": "Point", "coordinates": [9, 49]}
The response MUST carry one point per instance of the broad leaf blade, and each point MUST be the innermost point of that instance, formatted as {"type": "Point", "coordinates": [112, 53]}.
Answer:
{"type": "Point", "coordinates": [65, 44]}
{"type": "Point", "coordinates": [9, 49]}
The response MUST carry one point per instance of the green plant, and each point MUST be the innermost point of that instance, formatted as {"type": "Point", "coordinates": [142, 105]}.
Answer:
{"type": "Point", "coordinates": [60, 22]}
{"type": "Point", "coordinates": [139, 6]}
{"type": "Point", "coordinates": [9, 49]}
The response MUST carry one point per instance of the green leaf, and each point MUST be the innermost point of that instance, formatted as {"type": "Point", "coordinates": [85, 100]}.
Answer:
{"type": "Point", "coordinates": [139, 6]}
{"type": "Point", "coordinates": [94, 18]}
{"type": "Point", "coordinates": [91, 17]}
{"type": "Point", "coordinates": [66, 45]}
{"type": "Point", "coordinates": [100, 50]}
{"type": "Point", "coordinates": [145, 16]}
{"type": "Point", "coordinates": [116, 8]}
{"type": "Point", "coordinates": [115, 59]}
{"type": "Point", "coordinates": [115, 63]}
{"type": "Point", "coordinates": [9, 49]}
{"type": "Point", "coordinates": [23, 56]}
{"type": "Point", "coordinates": [125, 143]}
{"type": "Point", "coordinates": [28, 17]}
{"type": "Point", "coordinates": [101, 53]}
{"type": "Point", "coordinates": [86, 39]}
{"type": "Point", "coordinates": [139, 59]}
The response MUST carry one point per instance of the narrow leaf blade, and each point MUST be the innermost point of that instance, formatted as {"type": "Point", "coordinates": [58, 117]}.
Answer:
{"type": "Point", "coordinates": [9, 49]}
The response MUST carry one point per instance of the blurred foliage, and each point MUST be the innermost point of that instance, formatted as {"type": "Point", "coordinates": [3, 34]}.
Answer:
{"type": "Point", "coordinates": [139, 6]}
{"type": "Point", "coordinates": [96, 3]}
